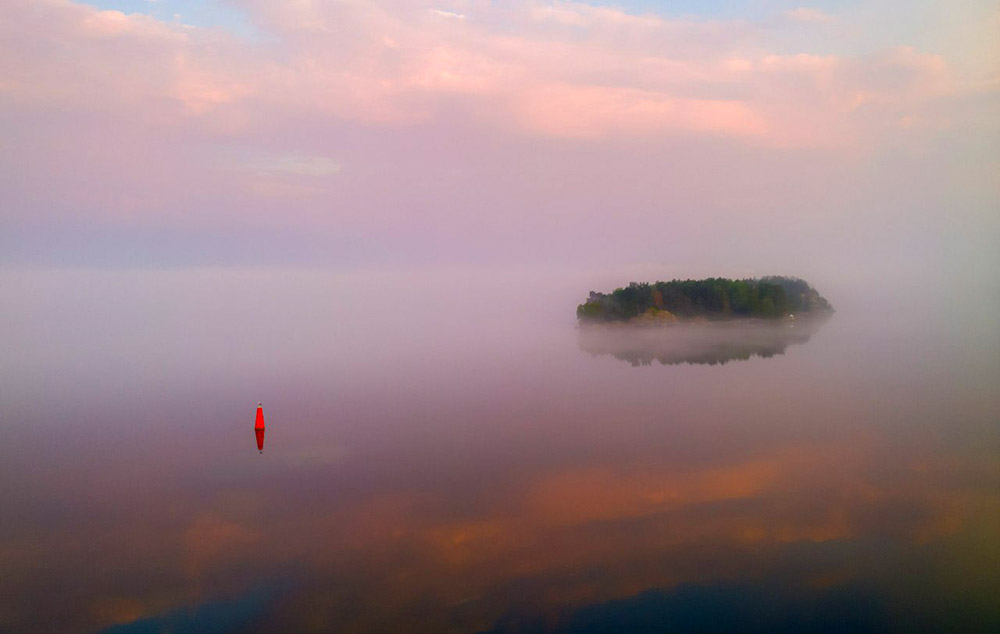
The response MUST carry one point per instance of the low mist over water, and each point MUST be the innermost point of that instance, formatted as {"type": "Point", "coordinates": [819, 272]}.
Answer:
{"type": "Point", "coordinates": [698, 342]}
{"type": "Point", "coordinates": [449, 452]}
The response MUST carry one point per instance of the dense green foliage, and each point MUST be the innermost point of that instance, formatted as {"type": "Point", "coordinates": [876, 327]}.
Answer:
{"type": "Point", "coordinates": [712, 298]}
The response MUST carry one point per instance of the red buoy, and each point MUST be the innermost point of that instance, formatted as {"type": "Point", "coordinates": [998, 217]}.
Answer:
{"type": "Point", "coordinates": [258, 428]}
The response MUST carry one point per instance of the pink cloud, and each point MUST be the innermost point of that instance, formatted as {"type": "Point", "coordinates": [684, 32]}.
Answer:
{"type": "Point", "coordinates": [594, 111]}
{"type": "Point", "coordinates": [396, 127]}
{"type": "Point", "coordinates": [611, 73]}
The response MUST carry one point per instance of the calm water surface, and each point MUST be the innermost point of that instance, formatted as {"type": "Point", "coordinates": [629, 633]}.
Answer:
{"type": "Point", "coordinates": [447, 453]}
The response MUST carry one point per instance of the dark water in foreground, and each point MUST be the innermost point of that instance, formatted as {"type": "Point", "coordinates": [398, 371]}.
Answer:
{"type": "Point", "coordinates": [438, 459]}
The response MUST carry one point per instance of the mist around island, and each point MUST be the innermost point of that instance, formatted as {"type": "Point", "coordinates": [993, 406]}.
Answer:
{"type": "Point", "coordinates": [698, 342]}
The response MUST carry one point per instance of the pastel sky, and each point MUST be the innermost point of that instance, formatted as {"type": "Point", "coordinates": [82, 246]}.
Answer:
{"type": "Point", "coordinates": [721, 136]}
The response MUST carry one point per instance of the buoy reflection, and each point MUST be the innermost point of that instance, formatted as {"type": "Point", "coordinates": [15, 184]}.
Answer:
{"type": "Point", "coordinates": [258, 428]}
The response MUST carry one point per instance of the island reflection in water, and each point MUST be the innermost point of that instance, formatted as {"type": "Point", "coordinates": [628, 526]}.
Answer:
{"type": "Point", "coordinates": [708, 343]}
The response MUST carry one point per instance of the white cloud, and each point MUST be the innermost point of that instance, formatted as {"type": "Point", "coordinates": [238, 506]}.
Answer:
{"type": "Point", "coordinates": [303, 165]}
{"type": "Point", "coordinates": [447, 14]}
{"type": "Point", "coordinates": [806, 14]}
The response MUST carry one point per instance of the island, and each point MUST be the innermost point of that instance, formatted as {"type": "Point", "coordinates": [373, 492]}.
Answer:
{"type": "Point", "coordinates": [712, 299]}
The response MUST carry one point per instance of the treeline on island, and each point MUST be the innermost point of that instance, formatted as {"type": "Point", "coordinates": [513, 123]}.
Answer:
{"type": "Point", "coordinates": [712, 298]}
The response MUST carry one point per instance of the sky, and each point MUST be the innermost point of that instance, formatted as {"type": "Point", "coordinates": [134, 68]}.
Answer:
{"type": "Point", "coordinates": [675, 138]}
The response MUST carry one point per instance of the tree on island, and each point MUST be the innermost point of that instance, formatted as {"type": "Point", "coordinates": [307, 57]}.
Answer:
{"type": "Point", "coordinates": [712, 298]}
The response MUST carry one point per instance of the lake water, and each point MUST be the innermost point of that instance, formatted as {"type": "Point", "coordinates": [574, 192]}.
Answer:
{"type": "Point", "coordinates": [448, 453]}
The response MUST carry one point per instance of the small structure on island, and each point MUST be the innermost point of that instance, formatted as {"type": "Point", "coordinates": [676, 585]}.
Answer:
{"type": "Point", "coordinates": [258, 428]}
